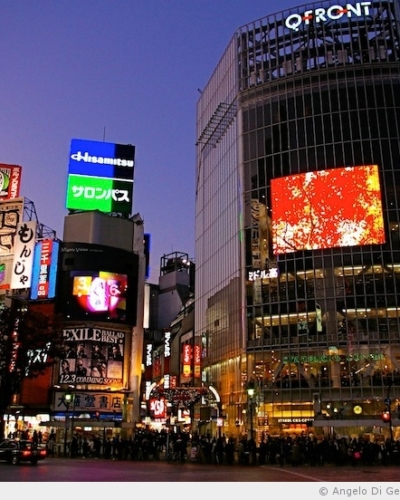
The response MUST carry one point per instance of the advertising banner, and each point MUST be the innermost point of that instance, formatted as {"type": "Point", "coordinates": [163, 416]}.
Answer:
{"type": "Point", "coordinates": [24, 247]}
{"type": "Point", "coordinates": [44, 271]}
{"type": "Point", "coordinates": [344, 207]}
{"type": "Point", "coordinates": [157, 365]}
{"type": "Point", "coordinates": [100, 286]}
{"type": "Point", "coordinates": [158, 408]}
{"type": "Point", "coordinates": [91, 402]}
{"type": "Point", "coordinates": [10, 181]}
{"type": "Point", "coordinates": [11, 214]}
{"type": "Point", "coordinates": [100, 176]}
{"type": "Point", "coordinates": [101, 159]}
{"type": "Point", "coordinates": [97, 193]}
{"type": "Point", "coordinates": [197, 361]}
{"type": "Point", "coordinates": [186, 359]}
{"type": "Point", "coordinates": [92, 356]}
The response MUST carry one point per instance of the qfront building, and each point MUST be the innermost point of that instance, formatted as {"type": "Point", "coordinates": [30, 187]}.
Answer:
{"type": "Point", "coordinates": [297, 222]}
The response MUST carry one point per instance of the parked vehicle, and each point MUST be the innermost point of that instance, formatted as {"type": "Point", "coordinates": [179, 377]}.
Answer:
{"type": "Point", "coordinates": [15, 451]}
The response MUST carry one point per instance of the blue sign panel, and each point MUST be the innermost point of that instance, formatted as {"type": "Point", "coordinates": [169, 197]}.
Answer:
{"type": "Point", "coordinates": [101, 159]}
{"type": "Point", "coordinates": [44, 272]}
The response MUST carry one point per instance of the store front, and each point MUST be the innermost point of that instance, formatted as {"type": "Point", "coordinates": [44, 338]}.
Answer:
{"type": "Point", "coordinates": [18, 425]}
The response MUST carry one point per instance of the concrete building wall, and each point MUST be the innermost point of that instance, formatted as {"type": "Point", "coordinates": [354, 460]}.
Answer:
{"type": "Point", "coordinates": [99, 228]}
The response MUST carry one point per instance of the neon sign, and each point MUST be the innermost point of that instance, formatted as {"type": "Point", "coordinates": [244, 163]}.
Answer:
{"type": "Point", "coordinates": [264, 274]}
{"type": "Point", "coordinates": [326, 358]}
{"type": "Point", "coordinates": [332, 13]}
{"type": "Point", "coordinates": [167, 344]}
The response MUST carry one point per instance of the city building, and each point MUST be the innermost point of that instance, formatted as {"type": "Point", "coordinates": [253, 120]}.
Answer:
{"type": "Point", "coordinates": [100, 296]}
{"type": "Point", "coordinates": [92, 285]}
{"type": "Point", "coordinates": [169, 353]}
{"type": "Point", "coordinates": [28, 267]}
{"type": "Point", "coordinates": [297, 221]}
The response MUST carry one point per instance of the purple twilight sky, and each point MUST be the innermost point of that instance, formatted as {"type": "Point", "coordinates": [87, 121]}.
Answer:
{"type": "Point", "coordinates": [127, 71]}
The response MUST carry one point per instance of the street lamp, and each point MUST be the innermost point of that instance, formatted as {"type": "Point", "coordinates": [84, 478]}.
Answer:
{"type": "Point", "coordinates": [67, 402]}
{"type": "Point", "coordinates": [73, 396]}
{"type": "Point", "coordinates": [387, 413]}
{"type": "Point", "coordinates": [250, 393]}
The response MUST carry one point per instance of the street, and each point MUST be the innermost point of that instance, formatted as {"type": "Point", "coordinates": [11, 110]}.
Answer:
{"type": "Point", "coordinates": [91, 470]}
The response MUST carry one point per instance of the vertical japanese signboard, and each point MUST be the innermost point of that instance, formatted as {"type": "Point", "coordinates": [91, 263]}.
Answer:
{"type": "Point", "coordinates": [45, 270]}
{"type": "Point", "coordinates": [24, 247]}
{"type": "Point", "coordinates": [186, 359]}
{"type": "Point", "coordinates": [197, 361]}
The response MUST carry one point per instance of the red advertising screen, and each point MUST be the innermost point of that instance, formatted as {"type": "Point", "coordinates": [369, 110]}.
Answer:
{"type": "Point", "coordinates": [337, 207]}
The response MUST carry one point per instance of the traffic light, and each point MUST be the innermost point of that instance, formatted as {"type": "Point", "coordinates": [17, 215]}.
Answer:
{"type": "Point", "coordinates": [97, 414]}
{"type": "Point", "coordinates": [386, 417]}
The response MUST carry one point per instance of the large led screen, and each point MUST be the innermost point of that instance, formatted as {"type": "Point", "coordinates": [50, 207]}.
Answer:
{"type": "Point", "coordinates": [97, 283]}
{"type": "Point", "coordinates": [337, 207]}
{"type": "Point", "coordinates": [100, 292]}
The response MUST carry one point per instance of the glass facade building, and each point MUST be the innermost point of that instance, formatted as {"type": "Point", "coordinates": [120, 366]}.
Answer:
{"type": "Point", "coordinates": [297, 220]}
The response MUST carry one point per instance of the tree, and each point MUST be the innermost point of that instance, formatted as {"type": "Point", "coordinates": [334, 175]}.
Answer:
{"type": "Point", "coordinates": [30, 342]}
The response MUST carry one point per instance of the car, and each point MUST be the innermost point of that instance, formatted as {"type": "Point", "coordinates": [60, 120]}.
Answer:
{"type": "Point", "coordinates": [16, 451]}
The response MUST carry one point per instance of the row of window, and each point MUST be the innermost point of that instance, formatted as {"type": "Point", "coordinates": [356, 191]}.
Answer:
{"type": "Point", "coordinates": [352, 96]}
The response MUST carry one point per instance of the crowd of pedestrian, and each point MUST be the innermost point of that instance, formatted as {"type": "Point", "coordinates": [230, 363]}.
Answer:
{"type": "Point", "coordinates": [285, 450]}
{"type": "Point", "coordinates": [307, 450]}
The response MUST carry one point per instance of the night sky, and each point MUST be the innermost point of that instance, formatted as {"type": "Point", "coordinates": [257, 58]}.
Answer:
{"type": "Point", "coordinates": [123, 71]}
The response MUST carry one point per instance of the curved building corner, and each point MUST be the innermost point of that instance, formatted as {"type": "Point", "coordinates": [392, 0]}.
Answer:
{"type": "Point", "coordinates": [297, 221]}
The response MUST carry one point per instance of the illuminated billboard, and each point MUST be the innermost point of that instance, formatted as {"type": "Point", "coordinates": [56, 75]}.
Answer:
{"type": "Point", "coordinates": [11, 213]}
{"type": "Point", "coordinates": [24, 247]}
{"type": "Point", "coordinates": [97, 283]}
{"type": "Point", "coordinates": [92, 355]}
{"type": "Point", "coordinates": [337, 207]}
{"type": "Point", "coordinates": [10, 181]}
{"type": "Point", "coordinates": [100, 291]}
{"type": "Point", "coordinates": [100, 176]}
{"type": "Point", "coordinates": [44, 271]}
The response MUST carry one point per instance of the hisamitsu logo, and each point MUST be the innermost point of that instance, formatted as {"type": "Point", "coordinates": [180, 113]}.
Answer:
{"type": "Point", "coordinates": [79, 156]}
{"type": "Point", "coordinates": [332, 13]}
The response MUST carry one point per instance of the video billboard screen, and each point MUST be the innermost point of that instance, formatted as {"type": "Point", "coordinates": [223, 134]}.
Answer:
{"type": "Point", "coordinates": [97, 283]}
{"type": "Point", "coordinates": [338, 207]}
{"type": "Point", "coordinates": [100, 176]}
{"type": "Point", "coordinates": [100, 291]}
